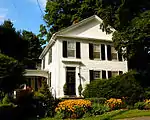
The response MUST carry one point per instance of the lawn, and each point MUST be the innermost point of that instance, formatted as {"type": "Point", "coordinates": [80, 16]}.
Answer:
{"type": "Point", "coordinates": [117, 114]}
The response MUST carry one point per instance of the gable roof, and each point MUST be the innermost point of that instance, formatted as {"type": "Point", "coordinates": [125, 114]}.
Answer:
{"type": "Point", "coordinates": [65, 30]}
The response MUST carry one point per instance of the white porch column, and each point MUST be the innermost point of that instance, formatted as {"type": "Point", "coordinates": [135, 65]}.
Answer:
{"type": "Point", "coordinates": [106, 52]}
{"type": "Point", "coordinates": [77, 80]}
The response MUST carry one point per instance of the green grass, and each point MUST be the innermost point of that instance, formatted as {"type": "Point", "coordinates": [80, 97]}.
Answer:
{"type": "Point", "coordinates": [117, 114]}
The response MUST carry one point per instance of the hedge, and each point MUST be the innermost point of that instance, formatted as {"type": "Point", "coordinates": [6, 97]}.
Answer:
{"type": "Point", "coordinates": [124, 86]}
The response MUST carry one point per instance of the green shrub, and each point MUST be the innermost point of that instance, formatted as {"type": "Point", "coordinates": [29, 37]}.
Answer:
{"type": "Point", "coordinates": [26, 105]}
{"type": "Point", "coordinates": [7, 112]}
{"type": "Point", "coordinates": [45, 100]}
{"type": "Point", "coordinates": [65, 89]}
{"type": "Point", "coordinates": [140, 105]}
{"type": "Point", "coordinates": [97, 100]}
{"type": "Point", "coordinates": [6, 99]}
{"type": "Point", "coordinates": [98, 109]}
{"type": "Point", "coordinates": [126, 85]}
{"type": "Point", "coordinates": [80, 89]}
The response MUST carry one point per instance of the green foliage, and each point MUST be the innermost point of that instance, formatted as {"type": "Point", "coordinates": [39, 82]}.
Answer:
{"type": "Point", "coordinates": [98, 109]}
{"type": "Point", "coordinates": [33, 49]}
{"type": "Point", "coordinates": [17, 46]}
{"type": "Point", "coordinates": [7, 112]}
{"type": "Point", "coordinates": [97, 100]}
{"type": "Point", "coordinates": [135, 39]}
{"type": "Point", "coordinates": [6, 99]}
{"type": "Point", "coordinates": [47, 99]}
{"type": "Point", "coordinates": [62, 13]}
{"type": "Point", "coordinates": [11, 72]}
{"type": "Point", "coordinates": [80, 89]}
{"type": "Point", "coordinates": [126, 85]}
{"type": "Point", "coordinates": [65, 89]}
{"type": "Point", "coordinates": [140, 105]}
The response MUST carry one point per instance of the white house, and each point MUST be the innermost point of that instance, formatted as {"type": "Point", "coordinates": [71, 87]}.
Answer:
{"type": "Point", "coordinates": [80, 52]}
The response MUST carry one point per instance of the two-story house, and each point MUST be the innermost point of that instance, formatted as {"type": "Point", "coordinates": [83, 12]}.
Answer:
{"type": "Point", "coordinates": [83, 52]}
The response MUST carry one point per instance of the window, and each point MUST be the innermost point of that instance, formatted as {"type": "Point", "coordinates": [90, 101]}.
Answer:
{"type": "Point", "coordinates": [113, 53]}
{"type": "Point", "coordinates": [97, 75]}
{"type": "Point", "coordinates": [71, 49]}
{"type": "Point", "coordinates": [44, 63]}
{"type": "Point", "coordinates": [50, 56]}
{"type": "Point", "coordinates": [120, 72]}
{"type": "Point", "coordinates": [96, 51]}
{"type": "Point", "coordinates": [114, 73]}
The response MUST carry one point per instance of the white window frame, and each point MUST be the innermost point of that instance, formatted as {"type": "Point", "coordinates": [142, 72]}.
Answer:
{"type": "Point", "coordinates": [71, 49]}
{"type": "Point", "coordinates": [100, 74]}
{"type": "Point", "coordinates": [97, 51]}
{"type": "Point", "coordinates": [114, 52]}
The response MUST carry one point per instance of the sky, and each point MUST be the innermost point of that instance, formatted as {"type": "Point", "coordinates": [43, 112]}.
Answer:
{"type": "Point", "coordinates": [25, 14]}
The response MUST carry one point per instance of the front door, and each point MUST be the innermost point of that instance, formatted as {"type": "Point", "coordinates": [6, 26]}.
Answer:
{"type": "Point", "coordinates": [70, 80]}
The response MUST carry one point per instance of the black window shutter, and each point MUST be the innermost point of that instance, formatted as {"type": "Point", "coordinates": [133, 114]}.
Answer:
{"type": "Point", "coordinates": [91, 75]}
{"type": "Point", "coordinates": [120, 72]}
{"type": "Point", "coordinates": [65, 49]}
{"type": "Point", "coordinates": [78, 54]}
{"type": "Point", "coordinates": [102, 51]}
{"type": "Point", "coordinates": [109, 74]}
{"type": "Point", "coordinates": [91, 51]}
{"type": "Point", "coordinates": [103, 74]}
{"type": "Point", "coordinates": [119, 56]}
{"type": "Point", "coordinates": [108, 52]}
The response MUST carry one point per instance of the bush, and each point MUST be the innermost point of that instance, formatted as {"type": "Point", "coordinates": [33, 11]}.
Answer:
{"type": "Point", "coordinates": [126, 85]}
{"type": "Point", "coordinates": [80, 89]}
{"type": "Point", "coordinates": [73, 108]}
{"type": "Point", "coordinates": [65, 89]}
{"type": "Point", "coordinates": [26, 104]}
{"type": "Point", "coordinates": [115, 104]}
{"type": "Point", "coordinates": [45, 101]}
{"type": "Point", "coordinates": [7, 112]}
{"type": "Point", "coordinates": [140, 105]}
{"type": "Point", "coordinates": [6, 99]}
{"type": "Point", "coordinates": [97, 100]}
{"type": "Point", "coordinates": [98, 109]}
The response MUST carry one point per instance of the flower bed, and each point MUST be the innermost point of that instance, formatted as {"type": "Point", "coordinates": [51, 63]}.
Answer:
{"type": "Point", "coordinates": [73, 108]}
{"type": "Point", "coordinates": [114, 103]}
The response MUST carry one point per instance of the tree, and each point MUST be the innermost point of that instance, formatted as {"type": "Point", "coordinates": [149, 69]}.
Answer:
{"type": "Point", "coordinates": [11, 42]}
{"type": "Point", "coordinates": [136, 39]}
{"type": "Point", "coordinates": [11, 74]}
{"type": "Point", "coordinates": [33, 49]}
{"type": "Point", "coordinates": [62, 13]}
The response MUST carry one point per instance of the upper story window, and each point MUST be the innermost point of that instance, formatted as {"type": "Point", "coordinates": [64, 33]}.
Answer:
{"type": "Point", "coordinates": [71, 49]}
{"type": "Point", "coordinates": [50, 56]}
{"type": "Point", "coordinates": [114, 54]}
{"type": "Point", "coordinates": [96, 51]}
